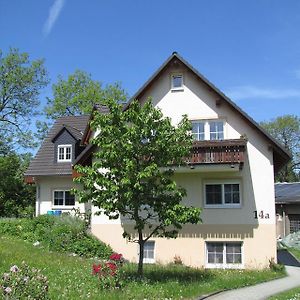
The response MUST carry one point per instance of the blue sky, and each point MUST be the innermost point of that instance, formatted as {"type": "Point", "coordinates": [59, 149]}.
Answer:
{"type": "Point", "coordinates": [248, 49]}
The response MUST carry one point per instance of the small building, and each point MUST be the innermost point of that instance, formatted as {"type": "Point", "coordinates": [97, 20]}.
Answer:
{"type": "Point", "coordinates": [287, 201]}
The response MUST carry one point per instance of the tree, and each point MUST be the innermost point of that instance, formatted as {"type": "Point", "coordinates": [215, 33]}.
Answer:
{"type": "Point", "coordinates": [139, 150]}
{"type": "Point", "coordinates": [20, 83]}
{"type": "Point", "coordinates": [16, 198]}
{"type": "Point", "coordinates": [78, 94]}
{"type": "Point", "coordinates": [286, 130]}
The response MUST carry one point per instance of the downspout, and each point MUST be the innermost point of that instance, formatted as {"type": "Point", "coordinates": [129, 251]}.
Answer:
{"type": "Point", "coordinates": [284, 225]}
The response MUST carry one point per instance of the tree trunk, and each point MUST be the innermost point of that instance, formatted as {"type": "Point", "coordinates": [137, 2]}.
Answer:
{"type": "Point", "coordinates": [141, 255]}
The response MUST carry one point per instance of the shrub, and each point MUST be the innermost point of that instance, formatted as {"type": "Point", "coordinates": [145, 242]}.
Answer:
{"type": "Point", "coordinates": [24, 283]}
{"type": "Point", "coordinates": [59, 233]}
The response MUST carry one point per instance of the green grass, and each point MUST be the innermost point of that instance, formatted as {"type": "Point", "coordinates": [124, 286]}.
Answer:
{"type": "Point", "coordinates": [70, 277]}
{"type": "Point", "coordinates": [293, 294]}
{"type": "Point", "coordinates": [295, 252]}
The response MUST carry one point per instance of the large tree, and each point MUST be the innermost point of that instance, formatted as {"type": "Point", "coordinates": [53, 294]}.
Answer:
{"type": "Point", "coordinates": [20, 83]}
{"type": "Point", "coordinates": [286, 129]}
{"type": "Point", "coordinates": [132, 175]}
{"type": "Point", "coordinates": [76, 95]}
{"type": "Point", "coordinates": [17, 199]}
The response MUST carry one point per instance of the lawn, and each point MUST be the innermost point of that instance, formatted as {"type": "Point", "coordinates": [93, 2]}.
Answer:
{"type": "Point", "coordinates": [71, 278]}
{"type": "Point", "coordinates": [295, 252]}
{"type": "Point", "coordinates": [293, 294]}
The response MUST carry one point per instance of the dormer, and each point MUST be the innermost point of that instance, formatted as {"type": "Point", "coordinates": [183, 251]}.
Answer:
{"type": "Point", "coordinates": [66, 145]}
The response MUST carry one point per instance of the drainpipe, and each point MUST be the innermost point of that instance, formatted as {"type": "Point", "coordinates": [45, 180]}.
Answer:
{"type": "Point", "coordinates": [284, 225]}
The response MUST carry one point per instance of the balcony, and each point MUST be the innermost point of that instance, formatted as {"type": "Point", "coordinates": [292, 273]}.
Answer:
{"type": "Point", "coordinates": [218, 152]}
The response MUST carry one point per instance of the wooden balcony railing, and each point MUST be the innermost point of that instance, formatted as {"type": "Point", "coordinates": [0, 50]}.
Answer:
{"type": "Point", "coordinates": [218, 152]}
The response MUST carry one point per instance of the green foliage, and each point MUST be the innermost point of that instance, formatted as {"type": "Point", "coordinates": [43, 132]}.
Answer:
{"type": "Point", "coordinates": [24, 283]}
{"type": "Point", "coordinates": [62, 234]}
{"type": "Point", "coordinates": [139, 151]}
{"type": "Point", "coordinates": [16, 198]}
{"type": "Point", "coordinates": [20, 83]}
{"type": "Point", "coordinates": [77, 95]}
{"type": "Point", "coordinates": [71, 277]}
{"type": "Point", "coordinates": [286, 130]}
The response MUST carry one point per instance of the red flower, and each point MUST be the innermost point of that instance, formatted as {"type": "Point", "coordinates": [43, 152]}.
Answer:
{"type": "Point", "coordinates": [96, 269]}
{"type": "Point", "coordinates": [113, 268]}
{"type": "Point", "coordinates": [116, 257]}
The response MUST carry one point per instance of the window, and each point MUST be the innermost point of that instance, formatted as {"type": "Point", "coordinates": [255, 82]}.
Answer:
{"type": "Point", "coordinates": [208, 130]}
{"type": "Point", "coordinates": [63, 198]}
{"type": "Point", "coordinates": [177, 82]}
{"type": "Point", "coordinates": [64, 153]}
{"type": "Point", "coordinates": [149, 252]}
{"type": "Point", "coordinates": [224, 255]}
{"type": "Point", "coordinates": [222, 194]}
{"type": "Point", "coordinates": [216, 130]}
{"type": "Point", "coordinates": [198, 131]}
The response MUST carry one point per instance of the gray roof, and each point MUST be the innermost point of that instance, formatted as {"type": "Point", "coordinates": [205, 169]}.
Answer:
{"type": "Point", "coordinates": [287, 193]}
{"type": "Point", "coordinates": [43, 163]}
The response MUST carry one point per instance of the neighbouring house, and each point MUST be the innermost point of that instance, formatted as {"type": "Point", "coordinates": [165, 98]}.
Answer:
{"type": "Point", "coordinates": [230, 175]}
{"type": "Point", "coordinates": [287, 200]}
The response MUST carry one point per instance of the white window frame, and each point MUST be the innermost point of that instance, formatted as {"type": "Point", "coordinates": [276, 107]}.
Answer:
{"type": "Point", "coordinates": [222, 183]}
{"type": "Point", "coordinates": [178, 88]}
{"type": "Point", "coordinates": [64, 199]}
{"type": "Point", "coordinates": [150, 260]}
{"type": "Point", "coordinates": [207, 128]}
{"type": "Point", "coordinates": [65, 153]}
{"type": "Point", "coordinates": [224, 265]}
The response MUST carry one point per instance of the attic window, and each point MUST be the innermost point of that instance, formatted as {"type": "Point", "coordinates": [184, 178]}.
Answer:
{"type": "Point", "coordinates": [64, 153]}
{"type": "Point", "coordinates": [177, 82]}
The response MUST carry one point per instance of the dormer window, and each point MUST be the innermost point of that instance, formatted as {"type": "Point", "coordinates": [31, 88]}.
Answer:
{"type": "Point", "coordinates": [64, 153]}
{"type": "Point", "coordinates": [177, 82]}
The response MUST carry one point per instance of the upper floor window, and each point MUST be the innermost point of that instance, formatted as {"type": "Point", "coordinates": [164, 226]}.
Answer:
{"type": "Point", "coordinates": [64, 153]}
{"type": "Point", "coordinates": [225, 194]}
{"type": "Point", "coordinates": [208, 130]}
{"type": "Point", "coordinates": [177, 82]}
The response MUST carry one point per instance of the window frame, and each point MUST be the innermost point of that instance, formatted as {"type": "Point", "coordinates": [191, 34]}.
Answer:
{"type": "Point", "coordinates": [223, 183]}
{"type": "Point", "coordinates": [147, 260]}
{"type": "Point", "coordinates": [207, 132]}
{"type": "Point", "coordinates": [179, 88]}
{"type": "Point", "coordinates": [64, 153]}
{"type": "Point", "coordinates": [64, 199]}
{"type": "Point", "coordinates": [224, 265]}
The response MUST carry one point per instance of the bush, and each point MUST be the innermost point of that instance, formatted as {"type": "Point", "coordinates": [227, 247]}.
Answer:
{"type": "Point", "coordinates": [24, 283]}
{"type": "Point", "coordinates": [59, 233]}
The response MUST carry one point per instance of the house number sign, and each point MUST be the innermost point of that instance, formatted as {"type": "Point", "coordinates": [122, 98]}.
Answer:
{"type": "Point", "coordinates": [261, 215]}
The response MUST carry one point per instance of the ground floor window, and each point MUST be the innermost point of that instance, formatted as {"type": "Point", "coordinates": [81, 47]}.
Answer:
{"type": "Point", "coordinates": [294, 223]}
{"type": "Point", "coordinates": [220, 254]}
{"type": "Point", "coordinates": [149, 252]}
{"type": "Point", "coordinates": [63, 198]}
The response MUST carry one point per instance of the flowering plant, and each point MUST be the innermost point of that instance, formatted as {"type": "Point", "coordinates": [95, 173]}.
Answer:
{"type": "Point", "coordinates": [23, 283]}
{"type": "Point", "coordinates": [109, 272]}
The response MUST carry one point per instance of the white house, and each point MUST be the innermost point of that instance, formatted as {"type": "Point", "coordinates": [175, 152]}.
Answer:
{"type": "Point", "coordinates": [230, 176]}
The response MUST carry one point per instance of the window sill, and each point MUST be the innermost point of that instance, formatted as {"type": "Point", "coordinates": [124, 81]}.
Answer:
{"type": "Point", "coordinates": [181, 89]}
{"type": "Point", "coordinates": [63, 207]}
{"type": "Point", "coordinates": [224, 266]}
{"type": "Point", "coordinates": [223, 206]}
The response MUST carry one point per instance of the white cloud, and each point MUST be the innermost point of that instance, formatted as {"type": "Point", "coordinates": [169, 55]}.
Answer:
{"type": "Point", "coordinates": [248, 91]}
{"type": "Point", "coordinates": [54, 12]}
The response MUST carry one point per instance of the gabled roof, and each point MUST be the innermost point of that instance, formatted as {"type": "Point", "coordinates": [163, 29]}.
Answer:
{"type": "Point", "coordinates": [287, 193]}
{"type": "Point", "coordinates": [281, 154]}
{"type": "Point", "coordinates": [43, 162]}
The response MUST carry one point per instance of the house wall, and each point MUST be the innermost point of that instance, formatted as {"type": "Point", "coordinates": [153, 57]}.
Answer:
{"type": "Point", "coordinates": [45, 187]}
{"type": "Point", "coordinates": [219, 224]}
